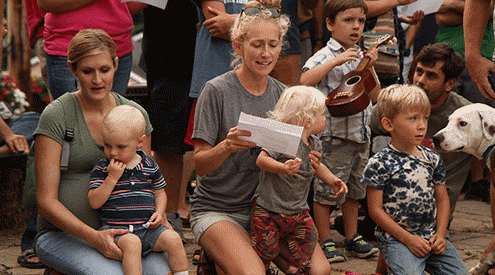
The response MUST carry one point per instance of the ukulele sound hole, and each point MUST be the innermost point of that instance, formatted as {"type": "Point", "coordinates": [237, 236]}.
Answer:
{"type": "Point", "coordinates": [353, 80]}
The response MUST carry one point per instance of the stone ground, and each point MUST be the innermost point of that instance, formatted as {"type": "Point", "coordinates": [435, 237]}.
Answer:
{"type": "Point", "coordinates": [470, 232]}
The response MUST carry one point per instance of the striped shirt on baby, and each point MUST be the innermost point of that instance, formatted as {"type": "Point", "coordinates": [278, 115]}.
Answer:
{"type": "Point", "coordinates": [132, 200]}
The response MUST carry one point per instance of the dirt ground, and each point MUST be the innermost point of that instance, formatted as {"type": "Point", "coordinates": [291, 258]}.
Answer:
{"type": "Point", "coordinates": [471, 230]}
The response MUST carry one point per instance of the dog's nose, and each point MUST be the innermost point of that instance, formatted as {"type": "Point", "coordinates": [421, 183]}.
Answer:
{"type": "Point", "coordinates": [437, 139]}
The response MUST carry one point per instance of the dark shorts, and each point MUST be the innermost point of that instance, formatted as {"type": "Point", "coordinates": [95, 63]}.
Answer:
{"type": "Point", "coordinates": [148, 236]}
{"type": "Point", "coordinates": [169, 111]}
{"type": "Point", "coordinates": [268, 228]}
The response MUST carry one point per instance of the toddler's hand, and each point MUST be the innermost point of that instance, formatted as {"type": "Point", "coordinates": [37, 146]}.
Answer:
{"type": "Point", "coordinates": [350, 54]}
{"type": "Point", "coordinates": [438, 244]}
{"type": "Point", "coordinates": [418, 246]}
{"type": "Point", "coordinates": [115, 169]}
{"type": "Point", "coordinates": [155, 220]}
{"type": "Point", "coordinates": [339, 187]}
{"type": "Point", "coordinates": [292, 166]}
{"type": "Point", "coordinates": [315, 157]}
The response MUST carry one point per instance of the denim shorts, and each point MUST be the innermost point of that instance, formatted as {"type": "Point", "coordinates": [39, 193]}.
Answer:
{"type": "Point", "coordinates": [147, 236]}
{"type": "Point", "coordinates": [201, 221]}
{"type": "Point", "coordinates": [347, 160]}
{"type": "Point", "coordinates": [400, 259]}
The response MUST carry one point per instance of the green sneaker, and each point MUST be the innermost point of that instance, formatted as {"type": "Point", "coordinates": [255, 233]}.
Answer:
{"type": "Point", "coordinates": [331, 252]}
{"type": "Point", "coordinates": [359, 247]}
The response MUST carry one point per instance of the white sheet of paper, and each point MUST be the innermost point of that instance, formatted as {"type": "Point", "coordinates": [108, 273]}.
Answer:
{"type": "Point", "coordinates": [157, 3]}
{"type": "Point", "coordinates": [428, 6]}
{"type": "Point", "coordinates": [270, 134]}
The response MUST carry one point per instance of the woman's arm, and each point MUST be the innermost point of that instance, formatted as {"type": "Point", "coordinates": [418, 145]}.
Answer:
{"type": "Point", "coordinates": [218, 21]}
{"type": "Point", "coordinates": [476, 15]}
{"type": "Point", "coordinates": [208, 158]}
{"type": "Point", "coordinates": [47, 163]}
{"type": "Point", "coordinates": [16, 143]}
{"type": "Point", "coordinates": [377, 8]}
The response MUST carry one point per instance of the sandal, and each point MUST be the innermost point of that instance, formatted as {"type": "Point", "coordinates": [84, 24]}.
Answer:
{"type": "Point", "coordinates": [206, 266]}
{"type": "Point", "coordinates": [196, 257]}
{"type": "Point", "coordinates": [24, 258]}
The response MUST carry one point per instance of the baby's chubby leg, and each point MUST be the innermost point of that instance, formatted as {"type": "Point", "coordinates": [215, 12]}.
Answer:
{"type": "Point", "coordinates": [131, 250]}
{"type": "Point", "coordinates": [171, 242]}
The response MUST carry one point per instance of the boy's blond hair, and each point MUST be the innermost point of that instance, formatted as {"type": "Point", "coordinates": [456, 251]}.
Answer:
{"type": "Point", "coordinates": [397, 98]}
{"type": "Point", "coordinates": [297, 104]}
{"type": "Point", "coordinates": [125, 119]}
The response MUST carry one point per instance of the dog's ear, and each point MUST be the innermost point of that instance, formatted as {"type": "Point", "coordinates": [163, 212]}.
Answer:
{"type": "Point", "coordinates": [487, 123]}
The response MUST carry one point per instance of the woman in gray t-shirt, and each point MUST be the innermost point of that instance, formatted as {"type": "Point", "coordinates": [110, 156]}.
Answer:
{"type": "Point", "coordinates": [225, 164]}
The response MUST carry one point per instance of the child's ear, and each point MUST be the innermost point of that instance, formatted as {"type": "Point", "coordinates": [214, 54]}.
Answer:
{"type": "Point", "coordinates": [329, 24]}
{"type": "Point", "coordinates": [141, 140]}
{"type": "Point", "coordinates": [307, 123]}
{"type": "Point", "coordinates": [387, 124]}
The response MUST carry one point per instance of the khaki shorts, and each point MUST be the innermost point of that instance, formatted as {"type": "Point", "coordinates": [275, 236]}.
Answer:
{"type": "Point", "coordinates": [347, 160]}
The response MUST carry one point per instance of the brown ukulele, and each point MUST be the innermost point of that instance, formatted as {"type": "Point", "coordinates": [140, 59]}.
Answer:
{"type": "Point", "coordinates": [353, 94]}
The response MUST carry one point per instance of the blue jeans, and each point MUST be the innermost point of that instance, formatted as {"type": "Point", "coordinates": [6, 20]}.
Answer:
{"type": "Point", "coordinates": [25, 125]}
{"type": "Point", "coordinates": [71, 255]}
{"type": "Point", "coordinates": [400, 260]}
{"type": "Point", "coordinates": [61, 80]}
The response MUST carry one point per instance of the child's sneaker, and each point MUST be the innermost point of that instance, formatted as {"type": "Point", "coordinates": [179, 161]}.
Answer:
{"type": "Point", "coordinates": [331, 252]}
{"type": "Point", "coordinates": [359, 247]}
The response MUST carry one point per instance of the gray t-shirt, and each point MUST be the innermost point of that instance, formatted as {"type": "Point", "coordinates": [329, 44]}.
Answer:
{"type": "Point", "coordinates": [231, 187]}
{"type": "Point", "coordinates": [286, 194]}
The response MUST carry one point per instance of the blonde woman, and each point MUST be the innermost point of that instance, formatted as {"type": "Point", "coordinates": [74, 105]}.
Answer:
{"type": "Point", "coordinates": [225, 164]}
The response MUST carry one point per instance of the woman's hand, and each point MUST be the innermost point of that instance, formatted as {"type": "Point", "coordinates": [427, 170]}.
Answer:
{"type": "Point", "coordinates": [479, 67]}
{"type": "Point", "coordinates": [414, 19]}
{"type": "Point", "coordinates": [219, 25]}
{"type": "Point", "coordinates": [234, 144]}
{"type": "Point", "coordinates": [17, 143]}
{"type": "Point", "coordinates": [105, 243]}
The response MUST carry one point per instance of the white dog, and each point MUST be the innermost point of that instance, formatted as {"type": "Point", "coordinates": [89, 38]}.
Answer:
{"type": "Point", "coordinates": [471, 129]}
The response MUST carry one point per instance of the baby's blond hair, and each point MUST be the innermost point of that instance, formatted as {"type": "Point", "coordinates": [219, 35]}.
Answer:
{"type": "Point", "coordinates": [298, 103]}
{"type": "Point", "coordinates": [397, 98]}
{"type": "Point", "coordinates": [125, 119]}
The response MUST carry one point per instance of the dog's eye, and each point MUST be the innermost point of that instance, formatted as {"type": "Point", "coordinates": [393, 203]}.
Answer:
{"type": "Point", "coordinates": [462, 123]}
